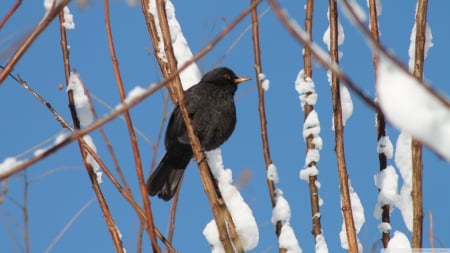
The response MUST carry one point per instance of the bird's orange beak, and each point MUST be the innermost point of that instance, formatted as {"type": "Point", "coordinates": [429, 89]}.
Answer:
{"type": "Point", "coordinates": [241, 79]}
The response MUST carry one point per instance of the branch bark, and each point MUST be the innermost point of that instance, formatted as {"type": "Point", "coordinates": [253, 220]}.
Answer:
{"type": "Point", "coordinates": [339, 133]}
{"type": "Point", "coordinates": [416, 146]}
{"type": "Point", "coordinates": [380, 119]}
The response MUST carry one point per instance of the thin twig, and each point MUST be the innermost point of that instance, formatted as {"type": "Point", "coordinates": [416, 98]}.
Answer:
{"type": "Point", "coordinates": [347, 211]}
{"type": "Point", "coordinates": [10, 13]}
{"type": "Point", "coordinates": [26, 222]}
{"type": "Point", "coordinates": [150, 227]}
{"type": "Point", "coordinates": [262, 112]}
{"type": "Point", "coordinates": [69, 224]}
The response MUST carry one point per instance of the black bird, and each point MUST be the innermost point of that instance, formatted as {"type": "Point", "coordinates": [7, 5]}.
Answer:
{"type": "Point", "coordinates": [210, 105]}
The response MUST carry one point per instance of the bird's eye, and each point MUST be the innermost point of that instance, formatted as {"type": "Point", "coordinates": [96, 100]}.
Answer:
{"type": "Point", "coordinates": [227, 76]}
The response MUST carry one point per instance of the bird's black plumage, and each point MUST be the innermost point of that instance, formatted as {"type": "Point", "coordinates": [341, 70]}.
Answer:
{"type": "Point", "coordinates": [211, 108]}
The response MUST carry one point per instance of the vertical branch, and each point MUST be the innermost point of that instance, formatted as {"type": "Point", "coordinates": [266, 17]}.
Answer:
{"type": "Point", "coordinates": [380, 119]}
{"type": "Point", "coordinates": [84, 147]}
{"type": "Point", "coordinates": [64, 47]}
{"type": "Point", "coordinates": [261, 109]}
{"type": "Point", "coordinates": [307, 61]}
{"type": "Point", "coordinates": [416, 146]}
{"type": "Point", "coordinates": [225, 225]}
{"type": "Point", "coordinates": [137, 159]}
{"type": "Point", "coordinates": [313, 191]}
{"type": "Point", "coordinates": [339, 133]}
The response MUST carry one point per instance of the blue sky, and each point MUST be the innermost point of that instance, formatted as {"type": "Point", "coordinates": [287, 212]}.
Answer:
{"type": "Point", "coordinates": [54, 199]}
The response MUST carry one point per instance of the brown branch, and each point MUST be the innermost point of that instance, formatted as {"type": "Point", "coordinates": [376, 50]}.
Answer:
{"type": "Point", "coordinates": [153, 32]}
{"type": "Point", "coordinates": [339, 133]}
{"type": "Point", "coordinates": [30, 39]}
{"type": "Point", "coordinates": [416, 146]}
{"type": "Point", "coordinates": [10, 13]}
{"type": "Point", "coordinates": [380, 119]}
{"type": "Point", "coordinates": [307, 108]}
{"type": "Point", "coordinates": [262, 113]}
{"type": "Point", "coordinates": [150, 227]}
{"type": "Point", "coordinates": [214, 197]}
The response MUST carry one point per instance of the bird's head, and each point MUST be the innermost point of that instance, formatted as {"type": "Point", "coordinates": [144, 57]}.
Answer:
{"type": "Point", "coordinates": [223, 76]}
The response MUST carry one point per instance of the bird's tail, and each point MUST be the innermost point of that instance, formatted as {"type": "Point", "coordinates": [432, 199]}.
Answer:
{"type": "Point", "coordinates": [167, 176]}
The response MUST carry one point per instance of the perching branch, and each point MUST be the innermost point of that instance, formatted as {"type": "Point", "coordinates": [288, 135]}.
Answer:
{"type": "Point", "coordinates": [347, 211]}
{"type": "Point", "coordinates": [221, 213]}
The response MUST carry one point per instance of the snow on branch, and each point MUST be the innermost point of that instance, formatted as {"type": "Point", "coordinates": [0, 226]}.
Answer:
{"type": "Point", "coordinates": [241, 213]}
{"type": "Point", "coordinates": [412, 108]}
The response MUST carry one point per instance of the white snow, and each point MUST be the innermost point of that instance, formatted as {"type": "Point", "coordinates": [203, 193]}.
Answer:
{"type": "Point", "coordinates": [241, 213]}
{"type": "Point", "coordinates": [321, 244]}
{"type": "Point", "coordinates": [358, 218]}
{"type": "Point", "coordinates": [311, 126]}
{"type": "Point", "coordinates": [384, 227]}
{"type": "Point", "coordinates": [312, 155]}
{"type": "Point", "coordinates": [191, 75]}
{"type": "Point", "coordinates": [287, 239]}
{"type": "Point", "coordinates": [132, 94]}
{"type": "Point", "coordinates": [307, 172]}
{"type": "Point", "coordinates": [385, 146]}
{"type": "Point", "coordinates": [68, 19]}
{"type": "Point", "coordinates": [282, 213]}
{"type": "Point", "coordinates": [264, 81]}
{"type": "Point", "coordinates": [404, 164]}
{"type": "Point", "coordinates": [411, 108]}
{"type": "Point", "coordinates": [387, 181]}
{"type": "Point", "coordinates": [346, 100]}
{"type": "Point", "coordinates": [60, 137]}
{"type": "Point", "coordinates": [399, 243]}
{"type": "Point", "coordinates": [305, 89]}
{"type": "Point", "coordinates": [91, 161]}
{"type": "Point", "coordinates": [9, 163]}
{"type": "Point", "coordinates": [341, 35]}
{"type": "Point", "coordinates": [412, 45]}
{"type": "Point", "coordinates": [81, 101]}
{"type": "Point", "coordinates": [272, 173]}
{"type": "Point", "coordinates": [346, 104]}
